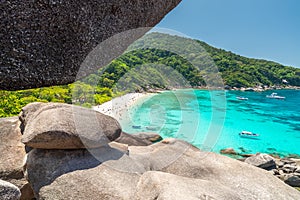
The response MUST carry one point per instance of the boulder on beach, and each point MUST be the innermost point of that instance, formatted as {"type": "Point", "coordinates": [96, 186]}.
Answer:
{"type": "Point", "coordinates": [9, 191]}
{"type": "Point", "coordinates": [261, 160]}
{"type": "Point", "coordinates": [64, 126]}
{"type": "Point", "coordinates": [138, 139]}
{"type": "Point", "coordinates": [45, 43]}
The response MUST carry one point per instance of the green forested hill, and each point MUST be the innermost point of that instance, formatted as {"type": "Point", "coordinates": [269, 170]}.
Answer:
{"type": "Point", "coordinates": [235, 70]}
{"type": "Point", "coordinates": [241, 71]}
{"type": "Point", "coordinates": [158, 61]}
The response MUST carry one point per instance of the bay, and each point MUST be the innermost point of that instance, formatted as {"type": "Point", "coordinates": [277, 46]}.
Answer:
{"type": "Point", "coordinates": [211, 120]}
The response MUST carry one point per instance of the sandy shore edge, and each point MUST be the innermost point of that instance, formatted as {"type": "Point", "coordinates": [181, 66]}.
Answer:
{"type": "Point", "coordinates": [118, 107]}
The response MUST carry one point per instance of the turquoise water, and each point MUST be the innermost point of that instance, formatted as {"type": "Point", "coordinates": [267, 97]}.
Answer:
{"type": "Point", "coordinates": [211, 120]}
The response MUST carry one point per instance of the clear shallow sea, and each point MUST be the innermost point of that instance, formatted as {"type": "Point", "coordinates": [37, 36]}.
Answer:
{"type": "Point", "coordinates": [211, 120]}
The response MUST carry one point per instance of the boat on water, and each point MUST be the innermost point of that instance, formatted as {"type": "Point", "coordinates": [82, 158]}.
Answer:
{"type": "Point", "coordinates": [242, 98]}
{"type": "Point", "coordinates": [248, 134]}
{"type": "Point", "coordinates": [275, 96]}
{"type": "Point", "coordinates": [136, 127]}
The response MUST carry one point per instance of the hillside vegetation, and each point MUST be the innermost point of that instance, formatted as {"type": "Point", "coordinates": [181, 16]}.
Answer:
{"type": "Point", "coordinates": [236, 70]}
{"type": "Point", "coordinates": [158, 61]}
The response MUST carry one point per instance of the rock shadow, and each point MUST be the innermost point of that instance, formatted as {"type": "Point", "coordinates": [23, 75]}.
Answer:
{"type": "Point", "coordinates": [44, 166]}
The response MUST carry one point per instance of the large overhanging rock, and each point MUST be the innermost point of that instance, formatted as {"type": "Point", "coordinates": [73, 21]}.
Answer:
{"type": "Point", "coordinates": [44, 43]}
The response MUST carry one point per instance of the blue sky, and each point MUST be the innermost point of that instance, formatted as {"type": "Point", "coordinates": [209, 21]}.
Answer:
{"type": "Point", "coordinates": [268, 29]}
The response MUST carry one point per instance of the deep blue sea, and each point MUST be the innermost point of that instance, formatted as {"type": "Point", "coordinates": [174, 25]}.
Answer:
{"type": "Point", "coordinates": [211, 120]}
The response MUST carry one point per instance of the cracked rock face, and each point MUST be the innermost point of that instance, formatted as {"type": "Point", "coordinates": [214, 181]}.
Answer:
{"type": "Point", "coordinates": [44, 43]}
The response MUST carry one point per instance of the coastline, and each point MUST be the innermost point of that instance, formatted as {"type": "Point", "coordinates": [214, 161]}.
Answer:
{"type": "Point", "coordinates": [243, 89]}
{"type": "Point", "coordinates": [118, 107]}
{"type": "Point", "coordinates": [262, 89]}
{"type": "Point", "coordinates": [249, 89]}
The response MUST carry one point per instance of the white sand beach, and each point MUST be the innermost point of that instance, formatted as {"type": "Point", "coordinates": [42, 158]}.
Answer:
{"type": "Point", "coordinates": [118, 107]}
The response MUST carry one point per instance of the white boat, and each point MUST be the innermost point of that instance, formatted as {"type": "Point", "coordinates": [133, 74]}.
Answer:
{"type": "Point", "coordinates": [275, 96]}
{"type": "Point", "coordinates": [242, 98]}
{"type": "Point", "coordinates": [248, 134]}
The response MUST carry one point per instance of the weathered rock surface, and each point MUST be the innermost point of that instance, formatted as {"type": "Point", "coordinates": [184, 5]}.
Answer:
{"type": "Point", "coordinates": [104, 173]}
{"type": "Point", "coordinates": [262, 160]}
{"type": "Point", "coordinates": [165, 186]}
{"type": "Point", "coordinates": [64, 126]}
{"type": "Point", "coordinates": [288, 171]}
{"type": "Point", "coordinates": [13, 156]}
{"type": "Point", "coordinates": [179, 158]}
{"type": "Point", "coordinates": [27, 192]}
{"type": "Point", "coordinates": [119, 146]}
{"type": "Point", "coordinates": [44, 43]}
{"type": "Point", "coordinates": [13, 153]}
{"type": "Point", "coordinates": [110, 172]}
{"type": "Point", "coordinates": [288, 168]}
{"type": "Point", "coordinates": [9, 191]}
{"type": "Point", "coordinates": [139, 139]}
{"type": "Point", "coordinates": [24, 187]}
{"type": "Point", "coordinates": [100, 183]}
{"type": "Point", "coordinates": [279, 163]}
{"type": "Point", "coordinates": [27, 112]}
{"type": "Point", "coordinates": [292, 180]}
